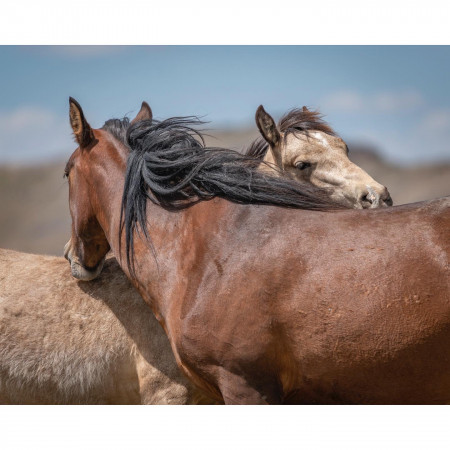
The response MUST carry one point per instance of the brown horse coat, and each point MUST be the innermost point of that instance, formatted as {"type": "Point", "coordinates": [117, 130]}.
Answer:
{"type": "Point", "coordinates": [299, 314]}
{"type": "Point", "coordinates": [69, 324]}
{"type": "Point", "coordinates": [264, 304]}
{"type": "Point", "coordinates": [64, 341]}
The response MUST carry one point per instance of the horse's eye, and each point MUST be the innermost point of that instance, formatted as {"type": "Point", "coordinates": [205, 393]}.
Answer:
{"type": "Point", "coordinates": [302, 165]}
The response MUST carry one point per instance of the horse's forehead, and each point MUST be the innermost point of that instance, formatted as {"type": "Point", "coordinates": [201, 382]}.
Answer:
{"type": "Point", "coordinates": [103, 137]}
{"type": "Point", "coordinates": [80, 157]}
{"type": "Point", "coordinates": [314, 141]}
{"type": "Point", "coordinates": [103, 142]}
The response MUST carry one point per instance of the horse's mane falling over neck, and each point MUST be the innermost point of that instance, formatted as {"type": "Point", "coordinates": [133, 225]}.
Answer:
{"type": "Point", "coordinates": [295, 121]}
{"type": "Point", "coordinates": [170, 165]}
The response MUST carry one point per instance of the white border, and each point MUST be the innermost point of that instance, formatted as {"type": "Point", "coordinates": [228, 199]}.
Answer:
{"type": "Point", "coordinates": [231, 22]}
{"type": "Point", "coordinates": [219, 427]}
{"type": "Point", "coordinates": [137, 22]}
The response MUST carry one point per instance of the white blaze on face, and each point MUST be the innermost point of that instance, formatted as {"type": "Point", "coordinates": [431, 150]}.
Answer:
{"type": "Point", "coordinates": [321, 137]}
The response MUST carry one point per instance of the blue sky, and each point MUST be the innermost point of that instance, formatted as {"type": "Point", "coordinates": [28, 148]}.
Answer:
{"type": "Point", "coordinates": [395, 98]}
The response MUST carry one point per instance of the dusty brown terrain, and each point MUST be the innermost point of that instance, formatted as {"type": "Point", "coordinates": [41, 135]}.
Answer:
{"type": "Point", "coordinates": [34, 213]}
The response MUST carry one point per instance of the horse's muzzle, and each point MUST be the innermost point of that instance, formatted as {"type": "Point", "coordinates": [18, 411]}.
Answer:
{"type": "Point", "coordinates": [78, 270]}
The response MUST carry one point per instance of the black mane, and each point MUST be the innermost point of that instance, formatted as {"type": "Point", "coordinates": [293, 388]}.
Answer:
{"type": "Point", "coordinates": [295, 121]}
{"type": "Point", "coordinates": [170, 166]}
{"type": "Point", "coordinates": [257, 149]}
{"type": "Point", "coordinates": [118, 128]}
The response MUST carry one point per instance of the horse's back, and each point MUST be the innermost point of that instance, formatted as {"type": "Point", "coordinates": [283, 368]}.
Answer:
{"type": "Point", "coordinates": [70, 342]}
{"type": "Point", "coordinates": [58, 344]}
{"type": "Point", "coordinates": [339, 297]}
{"type": "Point", "coordinates": [371, 319]}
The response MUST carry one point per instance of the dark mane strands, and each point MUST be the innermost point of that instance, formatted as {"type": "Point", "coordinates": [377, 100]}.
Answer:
{"type": "Point", "coordinates": [170, 166]}
{"type": "Point", "coordinates": [295, 121]}
{"type": "Point", "coordinates": [118, 128]}
{"type": "Point", "coordinates": [257, 149]}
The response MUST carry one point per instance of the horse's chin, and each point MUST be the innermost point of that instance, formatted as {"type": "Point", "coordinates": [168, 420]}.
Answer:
{"type": "Point", "coordinates": [81, 273]}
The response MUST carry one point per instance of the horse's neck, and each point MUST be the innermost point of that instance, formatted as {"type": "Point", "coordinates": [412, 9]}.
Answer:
{"type": "Point", "coordinates": [179, 240]}
{"type": "Point", "coordinates": [163, 264]}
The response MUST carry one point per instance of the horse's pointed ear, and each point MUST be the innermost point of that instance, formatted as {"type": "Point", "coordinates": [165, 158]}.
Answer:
{"type": "Point", "coordinates": [145, 113]}
{"type": "Point", "coordinates": [267, 126]}
{"type": "Point", "coordinates": [305, 109]}
{"type": "Point", "coordinates": [81, 129]}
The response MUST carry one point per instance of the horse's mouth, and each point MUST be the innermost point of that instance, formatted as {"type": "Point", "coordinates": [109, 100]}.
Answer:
{"type": "Point", "coordinates": [82, 273]}
{"type": "Point", "coordinates": [79, 271]}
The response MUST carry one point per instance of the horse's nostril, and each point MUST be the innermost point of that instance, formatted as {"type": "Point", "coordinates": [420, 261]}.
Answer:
{"type": "Point", "coordinates": [366, 198]}
{"type": "Point", "coordinates": [370, 198]}
{"type": "Point", "coordinates": [388, 200]}
{"type": "Point", "coordinates": [66, 251]}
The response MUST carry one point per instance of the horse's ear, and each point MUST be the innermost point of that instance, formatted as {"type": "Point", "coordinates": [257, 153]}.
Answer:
{"type": "Point", "coordinates": [145, 113]}
{"type": "Point", "coordinates": [267, 127]}
{"type": "Point", "coordinates": [81, 129]}
{"type": "Point", "coordinates": [305, 109]}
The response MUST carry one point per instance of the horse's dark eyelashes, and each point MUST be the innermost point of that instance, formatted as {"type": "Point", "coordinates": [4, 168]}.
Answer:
{"type": "Point", "coordinates": [302, 165]}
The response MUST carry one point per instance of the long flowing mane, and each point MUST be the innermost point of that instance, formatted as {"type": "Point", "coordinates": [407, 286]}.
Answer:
{"type": "Point", "coordinates": [170, 166]}
{"type": "Point", "coordinates": [295, 121]}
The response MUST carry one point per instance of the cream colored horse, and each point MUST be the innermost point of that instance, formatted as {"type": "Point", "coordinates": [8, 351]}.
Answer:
{"type": "Point", "coordinates": [305, 148]}
{"type": "Point", "coordinates": [64, 341]}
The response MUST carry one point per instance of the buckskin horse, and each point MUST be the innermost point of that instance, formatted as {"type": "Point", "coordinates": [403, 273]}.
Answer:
{"type": "Point", "coordinates": [311, 152]}
{"type": "Point", "coordinates": [267, 291]}
{"type": "Point", "coordinates": [64, 341]}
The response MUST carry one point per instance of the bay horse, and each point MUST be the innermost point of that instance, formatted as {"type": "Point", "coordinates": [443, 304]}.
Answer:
{"type": "Point", "coordinates": [267, 291]}
{"type": "Point", "coordinates": [305, 148]}
{"type": "Point", "coordinates": [83, 343]}
{"type": "Point", "coordinates": [65, 341]}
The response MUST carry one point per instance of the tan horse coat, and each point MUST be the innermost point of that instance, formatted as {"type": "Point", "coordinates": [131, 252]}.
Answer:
{"type": "Point", "coordinates": [64, 341]}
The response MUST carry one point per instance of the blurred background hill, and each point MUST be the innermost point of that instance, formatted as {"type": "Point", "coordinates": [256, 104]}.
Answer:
{"type": "Point", "coordinates": [390, 104]}
{"type": "Point", "coordinates": [34, 216]}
